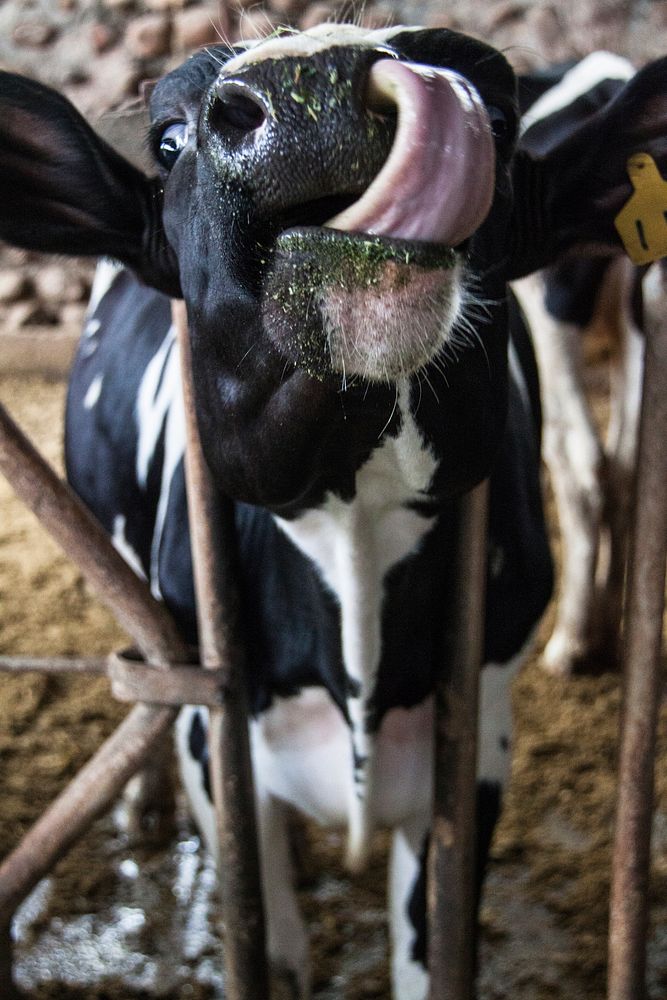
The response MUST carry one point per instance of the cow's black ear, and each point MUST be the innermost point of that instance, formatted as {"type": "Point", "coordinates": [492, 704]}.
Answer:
{"type": "Point", "coordinates": [571, 197]}
{"type": "Point", "coordinates": [64, 190]}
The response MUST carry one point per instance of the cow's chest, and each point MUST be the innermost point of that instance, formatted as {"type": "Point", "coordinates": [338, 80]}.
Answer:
{"type": "Point", "coordinates": [301, 750]}
{"type": "Point", "coordinates": [307, 750]}
{"type": "Point", "coordinates": [314, 748]}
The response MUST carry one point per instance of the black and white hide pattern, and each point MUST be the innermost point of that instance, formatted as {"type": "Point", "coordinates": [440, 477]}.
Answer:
{"type": "Point", "coordinates": [593, 292]}
{"type": "Point", "coordinates": [341, 210]}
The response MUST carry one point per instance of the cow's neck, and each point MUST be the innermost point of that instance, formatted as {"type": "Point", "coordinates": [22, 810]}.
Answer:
{"type": "Point", "coordinates": [354, 544]}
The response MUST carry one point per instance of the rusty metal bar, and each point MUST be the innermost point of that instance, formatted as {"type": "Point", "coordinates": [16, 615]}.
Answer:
{"type": "Point", "coordinates": [87, 796]}
{"type": "Point", "coordinates": [84, 540]}
{"type": "Point", "coordinates": [149, 623]}
{"type": "Point", "coordinates": [213, 539]}
{"type": "Point", "coordinates": [451, 860]}
{"type": "Point", "coordinates": [133, 680]}
{"type": "Point", "coordinates": [642, 681]}
{"type": "Point", "coordinates": [54, 664]}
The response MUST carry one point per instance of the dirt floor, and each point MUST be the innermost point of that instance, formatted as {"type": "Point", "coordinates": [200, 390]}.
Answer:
{"type": "Point", "coordinates": [121, 920]}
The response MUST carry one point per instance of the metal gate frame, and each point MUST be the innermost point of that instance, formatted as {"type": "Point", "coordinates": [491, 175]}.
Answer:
{"type": "Point", "coordinates": [165, 680]}
{"type": "Point", "coordinates": [162, 683]}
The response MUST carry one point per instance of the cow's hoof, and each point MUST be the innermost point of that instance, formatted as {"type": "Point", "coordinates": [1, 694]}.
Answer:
{"type": "Point", "coordinates": [560, 656]}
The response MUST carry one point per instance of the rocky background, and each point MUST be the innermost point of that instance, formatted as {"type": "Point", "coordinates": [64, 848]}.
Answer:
{"type": "Point", "coordinates": [99, 51]}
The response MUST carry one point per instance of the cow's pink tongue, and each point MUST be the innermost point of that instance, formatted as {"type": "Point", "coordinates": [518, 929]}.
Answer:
{"type": "Point", "coordinates": [437, 183]}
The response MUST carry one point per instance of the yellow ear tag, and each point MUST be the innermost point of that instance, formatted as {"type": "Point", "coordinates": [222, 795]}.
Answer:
{"type": "Point", "coordinates": [642, 222]}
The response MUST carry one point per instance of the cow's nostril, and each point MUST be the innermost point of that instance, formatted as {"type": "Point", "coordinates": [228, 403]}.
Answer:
{"type": "Point", "coordinates": [238, 108]}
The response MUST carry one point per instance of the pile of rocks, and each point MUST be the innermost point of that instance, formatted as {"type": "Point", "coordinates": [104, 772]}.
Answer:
{"type": "Point", "coordinates": [42, 306]}
{"type": "Point", "coordinates": [98, 51]}
{"type": "Point", "coordinates": [34, 293]}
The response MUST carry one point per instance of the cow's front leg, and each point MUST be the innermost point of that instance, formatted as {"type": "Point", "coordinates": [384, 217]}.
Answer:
{"type": "Point", "coordinates": [407, 909]}
{"type": "Point", "coordinates": [407, 874]}
{"type": "Point", "coordinates": [624, 409]}
{"type": "Point", "coordinates": [287, 937]}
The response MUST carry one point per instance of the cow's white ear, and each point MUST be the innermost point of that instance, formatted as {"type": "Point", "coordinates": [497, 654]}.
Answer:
{"type": "Point", "coordinates": [65, 190]}
{"type": "Point", "coordinates": [572, 196]}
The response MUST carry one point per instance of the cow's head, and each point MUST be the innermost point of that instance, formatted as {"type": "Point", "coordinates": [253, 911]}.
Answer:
{"type": "Point", "coordinates": [336, 209]}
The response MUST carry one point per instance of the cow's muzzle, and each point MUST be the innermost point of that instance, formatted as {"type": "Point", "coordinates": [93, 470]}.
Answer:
{"type": "Point", "coordinates": [357, 141]}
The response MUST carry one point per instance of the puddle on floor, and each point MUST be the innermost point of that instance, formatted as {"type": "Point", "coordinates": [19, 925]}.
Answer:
{"type": "Point", "coordinates": [117, 922]}
{"type": "Point", "coordinates": [154, 928]}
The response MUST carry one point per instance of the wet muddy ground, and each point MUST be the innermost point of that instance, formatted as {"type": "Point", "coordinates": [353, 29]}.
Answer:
{"type": "Point", "coordinates": [121, 920]}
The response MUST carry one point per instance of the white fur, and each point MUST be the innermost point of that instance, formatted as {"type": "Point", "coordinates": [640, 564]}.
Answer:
{"type": "Point", "coordinates": [409, 978]}
{"type": "Point", "coordinates": [122, 546]}
{"type": "Point", "coordinates": [305, 44]}
{"type": "Point", "coordinates": [586, 74]}
{"type": "Point", "coordinates": [106, 273]}
{"type": "Point", "coordinates": [93, 394]}
{"type": "Point", "coordinates": [495, 720]}
{"type": "Point", "coordinates": [354, 544]}
{"type": "Point", "coordinates": [193, 779]}
{"type": "Point", "coordinates": [573, 450]}
{"type": "Point", "coordinates": [590, 479]}
{"type": "Point", "coordinates": [159, 408]}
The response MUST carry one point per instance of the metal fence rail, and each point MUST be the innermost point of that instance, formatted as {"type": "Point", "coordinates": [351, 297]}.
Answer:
{"type": "Point", "coordinates": [452, 853]}
{"type": "Point", "coordinates": [164, 680]}
{"type": "Point", "coordinates": [642, 680]}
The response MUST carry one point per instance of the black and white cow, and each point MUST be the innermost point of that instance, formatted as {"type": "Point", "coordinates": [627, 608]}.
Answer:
{"type": "Point", "coordinates": [592, 478]}
{"type": "Point", "coordinates": [341, 210]}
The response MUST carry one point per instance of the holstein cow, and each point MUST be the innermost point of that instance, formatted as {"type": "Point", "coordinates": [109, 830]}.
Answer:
{"type": "Point", "coordinates": [592, 480]}
{"type": "Point", "coordinates": [341, 210]}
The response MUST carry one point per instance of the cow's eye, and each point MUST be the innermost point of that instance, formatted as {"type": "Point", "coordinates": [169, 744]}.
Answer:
{"type": "Point", "coordinates": [172, 140]}
{"type": "Point", "coordinates": [499, 123]}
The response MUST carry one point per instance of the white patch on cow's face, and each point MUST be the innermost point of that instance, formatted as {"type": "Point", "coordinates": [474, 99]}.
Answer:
{"type": "Point", "coordinates": [583, 77]}
{"type": "Point", "coordinates": [302, 44]}
{"type": "Point", "coordinates": [354, 544]}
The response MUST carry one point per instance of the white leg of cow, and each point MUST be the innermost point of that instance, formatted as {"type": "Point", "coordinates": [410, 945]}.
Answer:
{"type": "Point", "coordinates": [574, 457]}
{"type": "Point", "coordinates": [408, 973]}
{"type": "Point", "coordinates": [287, 937]}
{"type": "Point", "coordinates": [625, 402]}
{"type": "Point", "coordinates": [496, 722]}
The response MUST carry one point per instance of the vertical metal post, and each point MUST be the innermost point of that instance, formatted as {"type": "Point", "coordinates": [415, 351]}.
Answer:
{"type": "Point", "coordinates": [214, 556]}
{"type": "Point", "coordinates": [642, 647]}
{"type": "Point", "coordinates": [451, 862]}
